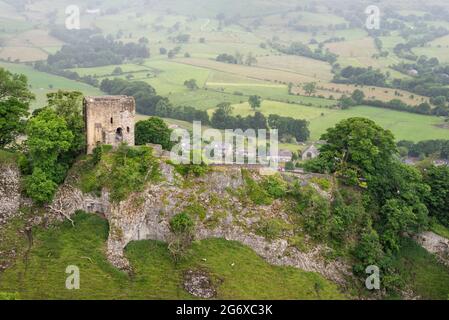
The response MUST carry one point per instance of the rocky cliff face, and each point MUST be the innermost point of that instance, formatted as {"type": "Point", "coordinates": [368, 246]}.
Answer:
{"type": "Point", "coordinates": [146, 215]}
{"type": "Point", "coordinates": [9, 192]}
{"type": "Point", "coordinates": [435, 244]}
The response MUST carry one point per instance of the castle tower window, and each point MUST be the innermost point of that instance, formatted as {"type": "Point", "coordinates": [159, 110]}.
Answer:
{"type": "Point", "coordinates": [127, 129]}
{"type": "Point", "coordinates": [112, 120]}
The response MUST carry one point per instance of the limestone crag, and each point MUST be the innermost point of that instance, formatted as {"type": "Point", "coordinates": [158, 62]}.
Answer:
{"type": "Point", "coordinates": [146, 215]}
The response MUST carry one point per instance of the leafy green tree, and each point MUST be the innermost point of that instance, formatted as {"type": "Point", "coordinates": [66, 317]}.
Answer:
{"type": "Point", "coordinates": [437, 200]}
{"type": "Point", "coordinates": [250, 59]}
{"type": "Point", "coordinates": [191, 84]}
{"type": "Point", "coordinates": [15, 99]}
{"type": "Point", "coordinates": [368, 250]}
{"type": "Point", "coordinates": [48, 139]}
{"type": "Point", "coordinates": [48, 136]}
{"type": "Point", "coordinates": [346, 102]}
{"type": "Point", "coordinates": [399, 218]}
{"type": "Point", "coordinates": [153, 130]}
{"type": "Point", "coordinates": [117, 71]}
{"type": "Point", "coordinates": [358, 145]}
{"type": "Point", "coordinates": [309, 88]}
{"type": "Point", "coordinates": [255, 102]}
{"type": "Point", "coordinates": [40, 187]}
{"type": "Point", "coordinates": [69, 106]}
{"type": "Point", "coordinates": [314, 211]}
{"type": "Point", "coordinates": [358, 96]}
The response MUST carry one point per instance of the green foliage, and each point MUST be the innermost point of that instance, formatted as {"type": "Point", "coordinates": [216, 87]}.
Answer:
{"type": "Point", "coordinates": [275, 186]}
{"type": "Point", "coordinates": [255, 102]}
{"type": "Point", "coordinates": [196, 170]}
{"type": "Point", "coordinates": [357, 144]}
{"type": "Point", "coordinates": [314, 212]}
{"type": "Point", "coordinates": [272, 228]}
{"type": "Point", "coordinates": [131, 169]}
{"type": "Point", "coordinates": [195, 209]}
{"type": "Point", "coordinates": [348, 217]}
{"type": "Point", "coordinates": [153, 130]}
{"type": "Point", "coordinates": [358, 96]}
{"type": "Point", "coordinates": [289, 126]}
{"type": "Point", "coordinates": [8, 157]}
{"type": "Point", "coordinates": [421, 271]}
{"type": "Point", "coordinates": [309, 88]}
{"type": "Point", "coordinates": [9, 296]}
{"type": "Point", "coordinates": [368, 251]}
{"type": "Point", "coordinates": [68, 105]}
{"type": "Point", "coordinates": [397, 219]}
{"type": "Point", "coordinates": [182, 223]}
{"type": "Point", "coordinates": [191, 84]}
{"type": "Point", "coordinates": [48, 140]}
{"type": "Point", "coordinates": [15, 98]}
{"type": "Point", "coordinates": [323, 183]}
{"type": "Point", "coordinates": [122, 172]}
{"type": "Point", "coordinates": [362, 76]}
{"type": "Point", "coordinates": [437, 200]}
{"type": "Point", "coordinates": [255, 191]}
{"type": "Point", "coordinates": [440, 229]}
{"type": "Point", "coordinates": [290, 165]}
{"type": "Point", "coordinates": [40, 187]}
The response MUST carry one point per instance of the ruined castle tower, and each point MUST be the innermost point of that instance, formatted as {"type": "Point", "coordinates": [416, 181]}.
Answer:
{"type": "Point", "coordinates": [109, 120]}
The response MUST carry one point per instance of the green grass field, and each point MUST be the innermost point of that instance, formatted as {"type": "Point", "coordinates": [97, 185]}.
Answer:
{"type": "Point", "coordinates": [43, 83]}
{"type": "Point", "coordinates": [403, 125]}
{"type": "Point", "coordinates": [40, 274]}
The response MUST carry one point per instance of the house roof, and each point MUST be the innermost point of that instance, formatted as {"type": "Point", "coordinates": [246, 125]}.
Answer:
{"type": "Point", "coordinates": [311, 148]}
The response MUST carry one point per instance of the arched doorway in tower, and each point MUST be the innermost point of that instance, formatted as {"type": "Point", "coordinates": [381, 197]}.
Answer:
{"type": "Point", "coordinates": [119, 135]}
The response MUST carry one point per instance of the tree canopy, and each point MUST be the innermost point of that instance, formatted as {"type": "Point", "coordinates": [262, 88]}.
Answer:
{"type": "Point", "coordinates": [15, 98]}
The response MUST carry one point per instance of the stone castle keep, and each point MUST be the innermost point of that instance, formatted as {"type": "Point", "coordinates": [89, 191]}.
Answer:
{"type": "Point", "coordinates": [109, 120]}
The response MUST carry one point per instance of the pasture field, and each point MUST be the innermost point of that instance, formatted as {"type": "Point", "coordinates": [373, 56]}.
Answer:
{"type": "Point", "coordinates": [441, 53]}
{"type": "Point", "coordinates": [42, 83]}
{"type": "Point", "coordinates": [371, 93]}
{"type": "Point", "coordinates": [442, 42]}
{"type": "Point", "coordinates": [172, 76]}
{"type": "Point", "coordinates": [250, 72]}
{"type": "Point", "coordinates": [22, 54]}
{"type": "Point", "coordinates": [28, 45]}
{"type": "Point", "coordinates": [106, 71]}
{"type": "Point", "coordinates": [302, 65]}
{"type": "Point", "coordinates": [405, 126]}
{"type": "Point", "coordinates": [269, 92]}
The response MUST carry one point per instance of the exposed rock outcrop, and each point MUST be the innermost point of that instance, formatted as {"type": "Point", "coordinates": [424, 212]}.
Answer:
{"type": "Point", "coordinates": [146, 215]}
{"type": "Point", "coordinates": [435, 244]}
{"type": "Point", "coordinates": [10, 198]}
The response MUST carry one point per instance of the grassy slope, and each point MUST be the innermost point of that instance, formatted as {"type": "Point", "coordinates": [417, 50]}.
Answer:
{"type": "Point", "coordinates": [42, 274]}
{"type": "Point", "coordinates": [422, 272]}
{"type": "Point", "coordinates": [440, 230]}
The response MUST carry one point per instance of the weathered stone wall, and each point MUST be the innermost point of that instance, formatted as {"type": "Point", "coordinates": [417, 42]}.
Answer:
{"type": "Point", "coordinates": [105, 117]}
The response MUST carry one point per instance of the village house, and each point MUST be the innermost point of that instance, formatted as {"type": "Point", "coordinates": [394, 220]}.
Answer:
{"type": "Point", "coordinates": [310, 153]}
